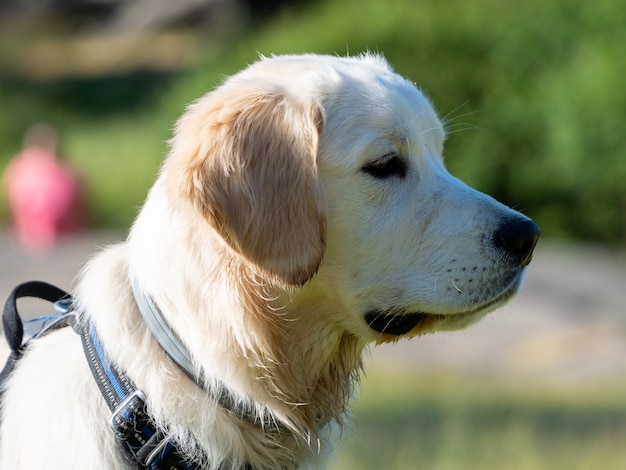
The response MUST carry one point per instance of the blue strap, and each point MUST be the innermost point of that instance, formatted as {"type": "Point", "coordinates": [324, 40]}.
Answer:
{"type": "Point", "coordinates": [144, 444]}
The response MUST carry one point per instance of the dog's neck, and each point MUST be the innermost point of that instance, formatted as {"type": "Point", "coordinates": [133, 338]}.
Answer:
{"type": "Point", "coordinates": [315, 364]}
{"type": "Point", "coordinates": [272, 343]}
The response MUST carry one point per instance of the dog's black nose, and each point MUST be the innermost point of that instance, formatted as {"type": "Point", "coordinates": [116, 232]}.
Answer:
{"type": "Point", "coordinates": [518, 237]}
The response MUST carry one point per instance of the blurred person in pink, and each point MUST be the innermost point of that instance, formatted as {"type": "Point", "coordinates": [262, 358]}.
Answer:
{"type": "Point", "coordinates": [42, 192]}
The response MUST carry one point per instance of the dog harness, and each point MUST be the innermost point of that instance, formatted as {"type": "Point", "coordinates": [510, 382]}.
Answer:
{"type": "Point", "coordinates": [144, 444]}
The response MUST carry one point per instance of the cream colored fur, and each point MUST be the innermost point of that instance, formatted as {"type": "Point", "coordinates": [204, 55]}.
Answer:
{"type": "Point", "coordinates": [264, 243]}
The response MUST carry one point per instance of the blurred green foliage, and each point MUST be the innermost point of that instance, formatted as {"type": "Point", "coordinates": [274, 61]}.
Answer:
{"type": "Point", "coordinates": [532, 94]}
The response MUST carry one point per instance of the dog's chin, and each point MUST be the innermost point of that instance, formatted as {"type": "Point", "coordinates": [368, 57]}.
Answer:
{"type": "Point", "coordinates": [394, 323]}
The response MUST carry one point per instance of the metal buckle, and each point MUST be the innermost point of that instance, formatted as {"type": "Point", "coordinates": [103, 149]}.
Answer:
{"type": "Point", "coordinates": [63, 306]}
{"type": "Point", "coordinates": [122, 421]}
{"type": "Point", "coordinates": [128, 423]}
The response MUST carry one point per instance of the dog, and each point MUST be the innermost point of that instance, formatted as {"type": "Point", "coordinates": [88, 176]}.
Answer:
{"type": "Point", "coordinates": [303, 212]}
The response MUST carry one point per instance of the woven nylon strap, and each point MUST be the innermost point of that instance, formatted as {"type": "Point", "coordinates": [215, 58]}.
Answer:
{"type": "Point", "coordinates": [144, 444]}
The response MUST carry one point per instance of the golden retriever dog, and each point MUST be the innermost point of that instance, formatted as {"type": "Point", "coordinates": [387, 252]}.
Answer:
{"type": "Point", "coordinates": [303, 213]}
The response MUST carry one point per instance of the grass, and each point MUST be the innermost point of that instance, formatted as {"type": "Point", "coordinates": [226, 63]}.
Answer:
{"type": "Point", "coordinates": [405, 420]}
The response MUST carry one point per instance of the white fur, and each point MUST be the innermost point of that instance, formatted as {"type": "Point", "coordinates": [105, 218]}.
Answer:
{"type": "Point", "coordinates": [265, 260]}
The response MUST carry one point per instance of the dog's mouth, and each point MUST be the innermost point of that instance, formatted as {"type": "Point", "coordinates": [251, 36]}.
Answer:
{"type": "Point", "coordinates": [396, 323]}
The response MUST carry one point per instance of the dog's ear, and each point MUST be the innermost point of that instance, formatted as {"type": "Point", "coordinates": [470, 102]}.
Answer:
{"type": "Point", "coordinates": [246, 159]}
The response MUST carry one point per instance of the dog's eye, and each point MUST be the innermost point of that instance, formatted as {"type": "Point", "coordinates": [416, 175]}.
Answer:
{"type": "Point", "coordinates": [386, 167]}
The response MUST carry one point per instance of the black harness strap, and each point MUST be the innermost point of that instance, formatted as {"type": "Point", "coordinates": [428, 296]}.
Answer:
{"type": "Point", "coordinates": [143, 443]}
{"type": "Point", "coordinates": [14, 328]}
{"type": "Point", "coordinates": [11, 321]}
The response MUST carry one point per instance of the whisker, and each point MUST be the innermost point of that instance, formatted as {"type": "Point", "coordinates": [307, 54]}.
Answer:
{"type": "Point", "coordinates": [416, 116]}
{"type": "Point", "coordinates": [451, 124]}
{"type": "Point", "coordinates": [430, 129]}
{"type": "Point", "coordinates": [462, 127]}
{"type": "Point", "coordinates": [447, 115]}
{"type": "Point", "coordinates": [452, 119]}
{"type": "Point", "coordinates": [456, 287]}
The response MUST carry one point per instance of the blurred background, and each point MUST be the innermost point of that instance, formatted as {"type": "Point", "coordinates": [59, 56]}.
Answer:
{"type": "Point", "coordinates": [533, 95]}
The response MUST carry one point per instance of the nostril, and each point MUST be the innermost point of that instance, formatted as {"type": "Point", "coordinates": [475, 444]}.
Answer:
{"type": "Point", "coordinates": [518, 237]}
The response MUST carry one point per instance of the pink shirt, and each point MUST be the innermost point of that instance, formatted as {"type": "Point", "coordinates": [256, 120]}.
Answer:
{"type": "Point", "coordinates": [43, 197]}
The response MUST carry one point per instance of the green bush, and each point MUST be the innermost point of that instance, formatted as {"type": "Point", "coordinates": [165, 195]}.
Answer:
{"type": "Point", "coordinates": [535, 87]}
{"type": "Point", "coordinates": [532, 93]}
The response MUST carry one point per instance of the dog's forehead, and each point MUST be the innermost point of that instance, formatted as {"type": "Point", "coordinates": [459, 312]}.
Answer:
{"type": "Point", "coordinates": [339, 81]}
{"type": "Point", "coordinates": [381, 98]}
{"type": "Point", "coordinates": [364, 102]}
{"type": "Point", "coordinates": [371, 106]}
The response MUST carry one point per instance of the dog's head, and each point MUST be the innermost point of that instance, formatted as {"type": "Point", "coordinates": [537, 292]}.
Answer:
{"type": "Point", "coordinates": [327, 173]}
